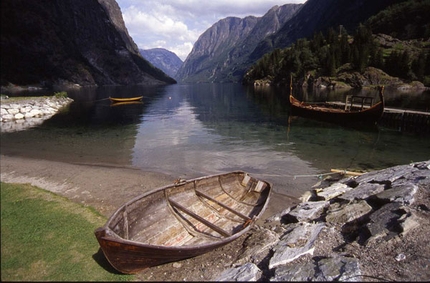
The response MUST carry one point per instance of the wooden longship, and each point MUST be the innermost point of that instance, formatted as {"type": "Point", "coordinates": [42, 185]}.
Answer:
{"type": "Point", "coordinates": [349, 115]}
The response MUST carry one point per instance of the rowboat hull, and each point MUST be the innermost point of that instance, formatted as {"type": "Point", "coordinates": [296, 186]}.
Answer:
{"type": "Point", "coordinates": [129, 99]}
{"type": "Point", "coordinates": [182, 220]}
{"type": "Point", "coordinates": [366, 116]}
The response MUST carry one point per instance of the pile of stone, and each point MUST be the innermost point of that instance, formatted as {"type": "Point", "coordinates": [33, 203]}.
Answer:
{"type": "Point", "coordinates": [318, 239]}
{"type": "Point", "coordinates": [21, 115]}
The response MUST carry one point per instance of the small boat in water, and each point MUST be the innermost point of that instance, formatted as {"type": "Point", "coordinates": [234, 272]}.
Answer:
{"type": "Point", "coordinates": [348, 114]}
{"type": "Point", "coordinates": [127, 99]}
{"type": "Point", "coordinates": [182, 220]}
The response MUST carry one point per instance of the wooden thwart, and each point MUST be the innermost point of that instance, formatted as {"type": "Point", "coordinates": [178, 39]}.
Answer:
{"type": "Point", "coordinates": [223, 205]}
{"type": "Point", "coordinates": [199, 218]}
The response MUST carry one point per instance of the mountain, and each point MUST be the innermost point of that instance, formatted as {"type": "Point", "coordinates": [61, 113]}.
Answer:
{"type": "Point", "coordinates": [390, 48]}
{"type": "Point", "coordinates": [68, 42]}
{"type": "Point", "coordinates": [163, 59]}
{"type": "Point", "coordinates": [213, 60]}
{"type": "Point", "coordinates": [319, 15]}
{"type": "Point", "coordinates": [221, 52]}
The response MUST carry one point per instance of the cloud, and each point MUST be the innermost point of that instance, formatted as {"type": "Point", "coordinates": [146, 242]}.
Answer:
{"type": "Point", "coordinates": [176, 24]}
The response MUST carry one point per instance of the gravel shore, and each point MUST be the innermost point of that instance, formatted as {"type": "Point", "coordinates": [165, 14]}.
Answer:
{"type": "Point", "coordinates": [98, 186]}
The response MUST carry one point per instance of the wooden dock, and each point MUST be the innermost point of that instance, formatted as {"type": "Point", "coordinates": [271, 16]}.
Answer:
{"type": "Point", "coordinates": [408, 121]}
{"type": "Point", "coordinates": [402, 120]}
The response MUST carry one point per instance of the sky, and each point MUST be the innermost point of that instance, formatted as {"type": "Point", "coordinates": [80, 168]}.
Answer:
{"type": "Point", "coordinates": [177, 24]}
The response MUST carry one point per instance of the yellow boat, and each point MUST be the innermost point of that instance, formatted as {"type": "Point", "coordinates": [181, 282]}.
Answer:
{"type": "Point", "coordinates": [128, 99]}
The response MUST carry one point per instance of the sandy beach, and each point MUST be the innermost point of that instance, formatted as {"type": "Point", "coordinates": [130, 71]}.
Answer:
{"type": "Point", "coordinates": [102, 186]}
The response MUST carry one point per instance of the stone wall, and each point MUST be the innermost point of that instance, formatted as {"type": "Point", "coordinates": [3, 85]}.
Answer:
{"type": "Point", "coordinates": [22, 114]}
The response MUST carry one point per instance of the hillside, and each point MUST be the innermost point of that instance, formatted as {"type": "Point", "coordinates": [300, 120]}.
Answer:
{"type": "Point", "coordinates": [69, 43]}
{"type": "Point", "coordinates": [221, 52]}
{"type": "Point", "coordinates": [163, 59]}
{"type": "Point", "coordinates": [339, 59]}
{"type": "Point", "coordinates": [280, 27]}
{"type": "Point", "coordinates": [319, 16]}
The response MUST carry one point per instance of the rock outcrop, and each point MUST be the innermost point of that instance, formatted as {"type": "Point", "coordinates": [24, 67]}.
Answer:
{"type": "Point", "coordinates": [27, 113]}
{"type": "Point", "coordinates": [349, 230]}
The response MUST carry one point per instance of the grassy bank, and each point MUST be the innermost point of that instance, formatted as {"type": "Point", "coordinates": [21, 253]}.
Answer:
{"type": "Point", "coordinates": [46, 237]}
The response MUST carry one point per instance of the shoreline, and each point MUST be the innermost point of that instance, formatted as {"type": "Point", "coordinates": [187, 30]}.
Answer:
{"type": "Point", "coordinates": [95, 185]}
{"type": "Point", "coordinates": [105, 187]}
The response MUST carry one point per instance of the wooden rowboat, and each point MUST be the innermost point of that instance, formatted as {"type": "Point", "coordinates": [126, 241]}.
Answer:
{"type": "Point", "coordinates": [182, 220]}
{"type": "Point", "coordinates": [128, 99]}
{"type": "Point", "coordinates": [347, 115]}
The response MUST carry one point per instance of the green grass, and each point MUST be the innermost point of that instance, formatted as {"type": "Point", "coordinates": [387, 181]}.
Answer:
{"type": "Point", "coordinates": [46, 237]}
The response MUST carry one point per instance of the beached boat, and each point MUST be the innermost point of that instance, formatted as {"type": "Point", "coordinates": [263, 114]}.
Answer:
{"type": "Point", "coordinates": [126, 99]}
{"type": "Point", "coordinates": [354, 111]}
{"type": "Point", "coordinates": [182, 220]}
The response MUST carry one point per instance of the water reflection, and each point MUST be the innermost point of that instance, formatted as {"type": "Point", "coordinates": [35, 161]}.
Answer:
{"type": "Point", "coordinates": [195, 130]}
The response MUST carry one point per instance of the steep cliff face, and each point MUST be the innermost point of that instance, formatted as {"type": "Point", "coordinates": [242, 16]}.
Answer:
{"type": "Point", "coordinates": [210, 52]}
{"type": "Point", "coordinates": [163, 59]}
{"type": "Point", "coordinates": [221, 53]}
{"type": "Point", "coordinates": [81, 42]}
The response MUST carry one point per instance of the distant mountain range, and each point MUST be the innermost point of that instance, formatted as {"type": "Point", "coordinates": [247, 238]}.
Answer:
{"type": "Point", "coordinates": [226, 50]}
{"type": "Point", "coordinates": [81, 42]}
{"type": "Point", "coordinates": [163, 59]}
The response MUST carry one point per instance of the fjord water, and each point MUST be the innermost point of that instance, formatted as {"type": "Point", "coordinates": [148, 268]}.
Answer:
{"type": "Point", "coordinates": [189, 131]}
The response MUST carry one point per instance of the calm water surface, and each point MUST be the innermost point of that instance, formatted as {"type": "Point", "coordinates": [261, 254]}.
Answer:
{"type": "Point", "coordinates": [194, 130]}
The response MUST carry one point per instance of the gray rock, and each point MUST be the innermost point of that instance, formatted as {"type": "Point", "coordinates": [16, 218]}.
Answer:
{"type": "Point", "coordinates": [402, 193]}
{"type": "Point", "coordinates": [246, 272]}
{"type": "Point", "coordinates": [338, 269]}
{"type": "Point", "coordinates": [309, 211]}
{"type": "Point", "coordinates": [388, 175]}
{"type": "Point", "coordinates": [384, 222]}
{"type": "Point", "coordinates": [296, 243]}
{"type": "Point", "coordinates": [327, 269]}
{"type": "Point", "coordinates": [257, 246]}
{"type": "Point", "coordinates": [408, 222]}
{"type": "Point", "coordinates": [345, 213]}
{"type": "Point", "coordinates": [296, 272]}
{"type": "Point", "coordinates": [333, 191]}
{"type": "Point", "coordinates": [363, 191]}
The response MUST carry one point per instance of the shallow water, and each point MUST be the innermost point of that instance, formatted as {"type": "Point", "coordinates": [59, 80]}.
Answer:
{"type": "Point", "coordinates": [194, 130]}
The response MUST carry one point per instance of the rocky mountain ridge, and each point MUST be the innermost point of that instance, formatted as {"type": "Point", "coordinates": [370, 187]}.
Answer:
{"type": "Point", "coordinates": [221, 52]}
{"type": "Point", "coordinates": [163, 59]}
{"type": "Point", "coordinates": [70, 43]}
{"type": "Point", "coordinates": [278, 28]}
